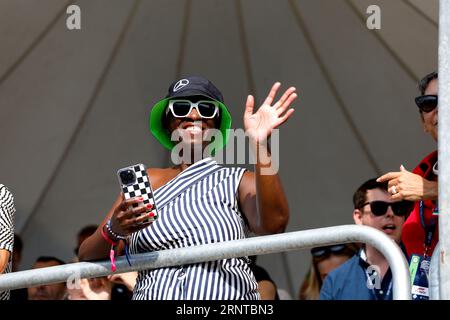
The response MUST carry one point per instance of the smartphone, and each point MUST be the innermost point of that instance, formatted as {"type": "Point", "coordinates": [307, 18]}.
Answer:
{"type": "Point", "coordinates": [134, 182]}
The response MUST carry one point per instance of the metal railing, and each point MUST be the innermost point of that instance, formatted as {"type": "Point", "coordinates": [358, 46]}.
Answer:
{"type": "Point", "coordinates": [224, 250]}
{"type": "Point", "coordinates": [433, 279]}
{"type": "Point", "coordinates": [444, 148]}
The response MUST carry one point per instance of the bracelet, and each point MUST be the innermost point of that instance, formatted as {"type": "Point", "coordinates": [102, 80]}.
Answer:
{"type": "Point", "coordinates": [112, 253]}
{"type": "Point", "coordinates": [118, 237]}
{"type": "Point", "coordinates": [111, 232]}
{"type": "Point", "coordinates": [108, 239]}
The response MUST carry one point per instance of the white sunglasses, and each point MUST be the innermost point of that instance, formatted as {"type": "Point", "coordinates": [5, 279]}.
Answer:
{"type": "Point", "coordinates": [207, 109]}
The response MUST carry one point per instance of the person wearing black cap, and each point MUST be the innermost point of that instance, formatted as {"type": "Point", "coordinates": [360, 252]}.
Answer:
{"type": "Point", "coordinates": [200, 201]}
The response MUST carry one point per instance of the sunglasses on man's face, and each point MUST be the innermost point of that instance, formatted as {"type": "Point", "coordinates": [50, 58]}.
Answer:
{"type": "Point", "coordinates": [207, 109]}
{"type": "Point", "coordinates": [427, 103]}
{"type": "Point", "coordinates": [325, 251]}
{"type": "Point", "coordinates": [401, 209]}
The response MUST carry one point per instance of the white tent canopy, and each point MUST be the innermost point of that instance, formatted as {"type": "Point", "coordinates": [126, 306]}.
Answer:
{"type": "Point", "coordinates": [74, 104]}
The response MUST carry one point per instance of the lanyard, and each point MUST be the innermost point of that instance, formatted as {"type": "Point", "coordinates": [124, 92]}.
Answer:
{"type": "Point", "coordinates": [429, 229]}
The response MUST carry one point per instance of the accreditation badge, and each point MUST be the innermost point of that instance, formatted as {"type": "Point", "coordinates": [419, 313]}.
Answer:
{"type": "Point", "coordinates": [419, 269]}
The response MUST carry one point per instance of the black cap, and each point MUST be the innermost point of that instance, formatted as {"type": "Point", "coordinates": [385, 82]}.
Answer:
{"type": "Point", "coordinates": [194, 86]}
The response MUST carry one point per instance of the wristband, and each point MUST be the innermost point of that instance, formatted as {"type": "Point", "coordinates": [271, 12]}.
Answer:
{"type": "Point", "coordinates": [108, 239]}
{"type": "Point", "coordinates": [111, 232]}
{"type": "Point", "coordinates": [112, 258]}
{"type": "Point", "coordinates": [112, 253]}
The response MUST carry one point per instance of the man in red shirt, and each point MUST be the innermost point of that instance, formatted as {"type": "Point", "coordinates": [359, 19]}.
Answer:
{"type": "Point", "coordinates": [420, 231]}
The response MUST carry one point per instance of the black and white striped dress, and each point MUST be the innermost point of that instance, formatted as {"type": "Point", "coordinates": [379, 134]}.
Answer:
{"type": "Point", "coordinates": [199, 206]}
{"type": "Point", "coordinates": [7, 211]}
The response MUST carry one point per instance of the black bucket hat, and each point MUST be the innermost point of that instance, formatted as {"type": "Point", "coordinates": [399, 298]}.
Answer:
{"type": "Point", "coordinates": [188, 87]}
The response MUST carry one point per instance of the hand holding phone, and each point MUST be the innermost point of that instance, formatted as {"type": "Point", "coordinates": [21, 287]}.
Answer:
{"type": "Point", "coordinates": [134, 182]}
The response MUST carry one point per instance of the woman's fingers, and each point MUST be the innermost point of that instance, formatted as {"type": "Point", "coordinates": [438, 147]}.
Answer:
{"type": "Point", "coordinates": [143, 218]}
{"type": "Point", "coordinates": [397, 197]}
{"type": "Point", "coordinates": [272, 93]}
{"type": "Point", "coordinates": [286, 103]}
{"type": "Point", "coordinates": [249, 106]}
{"type": "Point", "coordinates": [284, 118]}
{"type": "Point", "coordinates": [136, 211]}
{"type": "Point", "coordinates": [389, 176]}
{"type": "Point", "coordinates": [131, 218]}
{"type": "Point", "coordinates": [392, 182]}
{"type": "Point", "coordinates": [289, 92]}
{"type": "Point", "coordinates": [137, 223]}
{"type": "Point", "coordinates": [125, 204]}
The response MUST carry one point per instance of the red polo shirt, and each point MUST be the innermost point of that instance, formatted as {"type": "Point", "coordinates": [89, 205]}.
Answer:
{"type": "Point", "coordinates": [413, 234]}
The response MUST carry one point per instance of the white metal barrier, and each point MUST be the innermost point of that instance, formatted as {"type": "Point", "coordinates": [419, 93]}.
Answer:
{"type": "Point", "coordinates": [224, 250]}
{"type": "Point", "coordinates": [444, 148]}
{"type": "Point", "coordinates": [434, 274]}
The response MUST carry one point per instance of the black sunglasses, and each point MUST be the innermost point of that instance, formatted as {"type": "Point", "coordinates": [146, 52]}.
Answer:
{"type": "Point", "coordinates": [401, 208]}
{"type": "Point", "coordinates": [325, 251]}
{"type": "Point", "coordinates": [427, 103]}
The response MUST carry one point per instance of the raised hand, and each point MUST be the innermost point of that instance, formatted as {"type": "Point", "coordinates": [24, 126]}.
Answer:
{"type": "Point", "coordinates": [259, 125]}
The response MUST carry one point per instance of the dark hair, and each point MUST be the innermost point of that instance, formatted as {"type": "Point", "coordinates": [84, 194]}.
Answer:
{"type": "Point", "coordinates": [18, 243]}
{"type": "Point", "coordinates": [87, 230]}
{"type": "Point", "coordinates": [48, 259]}
{"type": "Point", "coordinates": [360, 196]}
{"type": "Point", "coordinates": [423, 84]}
{"type": "Point", "coordinates": [252, 259]}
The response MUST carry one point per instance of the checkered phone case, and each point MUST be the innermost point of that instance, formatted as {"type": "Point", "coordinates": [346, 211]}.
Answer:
{"type": "Point", "coordinates": [139, 187]}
